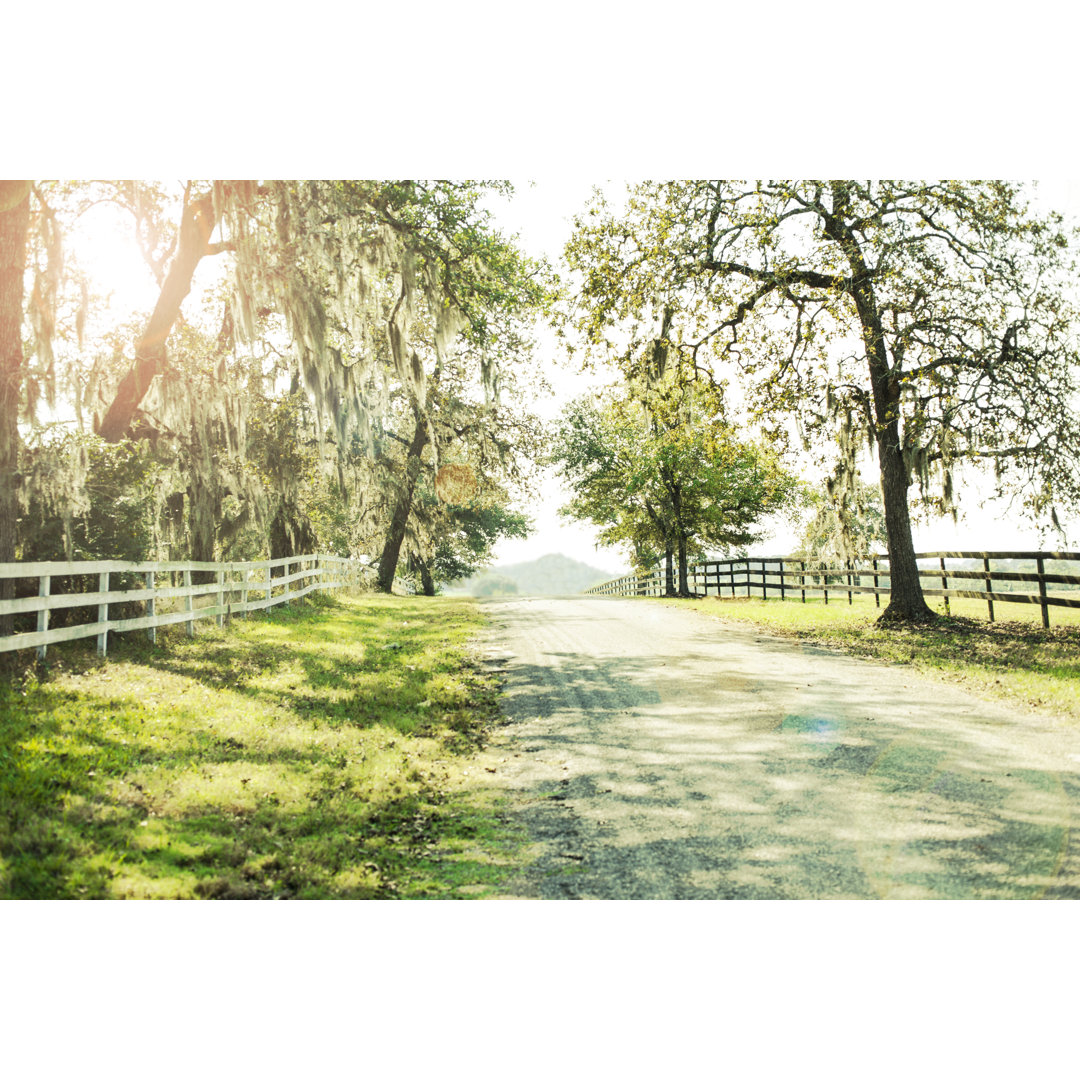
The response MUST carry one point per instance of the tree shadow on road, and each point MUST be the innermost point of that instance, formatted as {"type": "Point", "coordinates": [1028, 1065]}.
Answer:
{"type": "Point", "coordinates": [693, 777]}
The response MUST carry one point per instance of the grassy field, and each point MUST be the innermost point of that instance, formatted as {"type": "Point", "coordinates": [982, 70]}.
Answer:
{"type": "Point", "coordinates": [1012, 659]}
{"type": "Point", "coordinates": [321, 751]}
{"type": "Point", "coordinates": [863, 604]}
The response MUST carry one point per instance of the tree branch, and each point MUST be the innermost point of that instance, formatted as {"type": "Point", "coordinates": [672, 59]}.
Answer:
{"type": "Point", "coordinates": [811, 278]}
{"type": "Point", "coordinates": [196, 224]}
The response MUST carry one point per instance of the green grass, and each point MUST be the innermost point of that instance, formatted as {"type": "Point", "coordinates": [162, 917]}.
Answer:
{"type": "Point", "coordinates": [322, 751]}
{"type": "Point", "coordinates": [1014, 660]}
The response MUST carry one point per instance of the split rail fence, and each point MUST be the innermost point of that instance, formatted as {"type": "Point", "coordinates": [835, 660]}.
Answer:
{"type": "Point", "coordinates": [795, 579]}
{"type": "Point", "coordinates": [164, 593]}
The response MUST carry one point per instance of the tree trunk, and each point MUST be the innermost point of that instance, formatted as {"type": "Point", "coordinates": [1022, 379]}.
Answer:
{"type": "Point", "coordinates": [675, 491]}
{"type": "Point", "coordinates": [906, 601]}
{"type": "Point", "coordinates": [14, 224]}
{"type": "Point", "coordinates": [196, 225]}
{"type": "Point", "coordinates": [684, 577]}
{"type": "Point", "coordinates": [202, 528]}
{"type": "Point", "coordinates": [290, 534]}
{"type": "Point", "coordinates": [669, 569]}
{"type": "Point", "coordinates": [420, 566]}
{"type": "Point", "coordinates": [395, 536]}
{"type": "Point", "coordinates": [427, 582]}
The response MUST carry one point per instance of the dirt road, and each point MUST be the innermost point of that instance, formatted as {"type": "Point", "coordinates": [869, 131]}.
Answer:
{"type": "Point", "coordinates": [654, 753]}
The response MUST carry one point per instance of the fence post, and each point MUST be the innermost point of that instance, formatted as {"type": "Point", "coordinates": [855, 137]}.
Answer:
{"type": "Point", "coordinates": [783, 594]}
{"type": "Point", "coordinates": [189, 604]}
{"type": "Point", "coordinates": [731, 571]}
{"type": "Point", "coordinates": [849, 583]}
{"type": "Point", "coordinates": [221, 596]}
{"type": "Point", "coordinates": [151, 631]}
{"type": "Point", "coordinates": [945, 584]}
{"type": "Point", "coordinates": [244, 592]}
{"type": "Point", "coordinates": [877, 595]}
{"type": "Point", "coordinates": [989, 588]}
{"type": "Point", "coordinates": [103, 616]}
{"type": "Point", "coordinates": [802, 578]}
{"type": "Point", "coordinates": [1042, 594]}
{"type": "Point", "coordinates": [43, 614]}
{"type": "Point", "coordinates": [764, 590]}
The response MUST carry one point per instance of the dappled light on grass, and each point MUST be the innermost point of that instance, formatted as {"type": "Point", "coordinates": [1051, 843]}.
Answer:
{"type": "Point", "coordinates": [313, 753]}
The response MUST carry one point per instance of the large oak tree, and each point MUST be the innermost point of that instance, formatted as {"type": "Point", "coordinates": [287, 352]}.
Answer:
{"type": "Point", "coordinates": [931, 321]}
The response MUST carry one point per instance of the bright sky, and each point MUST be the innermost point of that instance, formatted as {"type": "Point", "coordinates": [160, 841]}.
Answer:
{"type": "Point", "coordinates": [541, 213]}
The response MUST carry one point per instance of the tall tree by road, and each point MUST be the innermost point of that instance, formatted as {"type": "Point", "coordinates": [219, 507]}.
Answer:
{"type": "Point", "coordinates": [928, 321]}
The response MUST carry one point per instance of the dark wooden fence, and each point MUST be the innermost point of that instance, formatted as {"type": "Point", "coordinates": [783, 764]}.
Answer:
{"type": "Point", "coordinates": [971, 572]}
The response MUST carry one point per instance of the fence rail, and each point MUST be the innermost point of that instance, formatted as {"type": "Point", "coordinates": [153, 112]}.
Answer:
{"type": "Point", "coordinates": [166, 592]}
{"type": "Point", "coordinates": [796, 578]}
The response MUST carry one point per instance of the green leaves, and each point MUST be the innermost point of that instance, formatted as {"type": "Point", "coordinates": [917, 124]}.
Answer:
{"type": "Point", "coordinates": [658, 467]}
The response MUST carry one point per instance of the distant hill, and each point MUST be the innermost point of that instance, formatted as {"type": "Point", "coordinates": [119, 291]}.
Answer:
{"type": "Point", "coordinates": [550, 575]}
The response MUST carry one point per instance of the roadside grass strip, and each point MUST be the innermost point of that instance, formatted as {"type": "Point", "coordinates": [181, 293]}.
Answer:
{"type": "Point", "coordinates": [1011, 660]}
{"type": "Point", "coordinates": [319, 751]}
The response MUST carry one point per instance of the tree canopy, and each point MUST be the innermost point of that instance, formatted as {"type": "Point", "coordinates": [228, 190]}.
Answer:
{"type": "Point", "coordinates": [658, 467]}
{"type": "Point", "coordinates": [262, 406]}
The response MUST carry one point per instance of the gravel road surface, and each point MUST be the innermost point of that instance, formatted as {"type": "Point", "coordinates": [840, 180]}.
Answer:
{"type": "Point", "coordinates": [656, 753]}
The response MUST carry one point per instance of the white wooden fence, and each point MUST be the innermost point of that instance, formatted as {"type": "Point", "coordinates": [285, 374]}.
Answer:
{"type": "Point", "coordinates": [166, 591]}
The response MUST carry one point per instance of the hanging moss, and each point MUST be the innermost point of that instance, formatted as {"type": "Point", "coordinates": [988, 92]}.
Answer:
{"type": "Point", "coordinates": [363, 291]}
